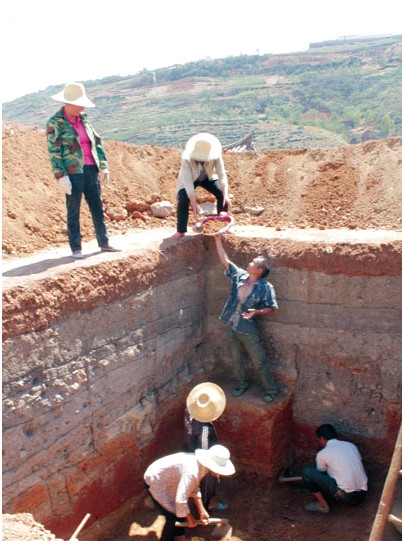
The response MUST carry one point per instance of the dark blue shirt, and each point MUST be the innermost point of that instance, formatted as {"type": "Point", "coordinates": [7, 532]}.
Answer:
{"type": "Point", "coordinates": [261, 296]}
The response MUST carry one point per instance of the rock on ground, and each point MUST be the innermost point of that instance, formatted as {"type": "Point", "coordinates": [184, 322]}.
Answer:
{"type": "Point", "coordinates": [353, 187]}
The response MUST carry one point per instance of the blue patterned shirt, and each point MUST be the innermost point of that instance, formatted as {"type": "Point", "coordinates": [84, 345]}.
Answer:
{"type": "Point", "coordinates": [261, 296]}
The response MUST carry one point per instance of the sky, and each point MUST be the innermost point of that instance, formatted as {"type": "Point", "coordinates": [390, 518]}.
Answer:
{"type": "Point", "coordinates": [47, 42]}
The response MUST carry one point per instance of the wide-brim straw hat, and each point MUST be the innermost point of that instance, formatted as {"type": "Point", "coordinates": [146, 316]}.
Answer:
{"type": "Point", "coordinates": [216, 459]}
{"type": "Point", "coordinates": [74, 93]}
{"type": "Point", "coordinates": [206, 402]}
{"type": "Point", "coordinates": [203, 147]}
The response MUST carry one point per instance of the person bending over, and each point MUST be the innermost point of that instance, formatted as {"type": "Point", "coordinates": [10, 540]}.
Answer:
{"type": "Point", "coordinates": [201, 165]}
{"type": "Point", "coordinates": [173, 479]}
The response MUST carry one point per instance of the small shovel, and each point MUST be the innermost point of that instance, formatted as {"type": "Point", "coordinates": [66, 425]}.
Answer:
{"type": "Point", "coordinates": [201, 522]}
{"type": "Point", "coordinates": [222, 528]}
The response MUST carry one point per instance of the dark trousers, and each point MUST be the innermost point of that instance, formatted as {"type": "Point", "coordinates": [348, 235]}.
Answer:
{"type": "Point", "coordinates": [208, 487]}
{"type": "Point", "coordinates": [317, 481]}
{"type": "Point", "coordinates": [183, 202]}
{"type": "Point", "coordinates": [251, 343]}
{"type": "Point", "coordinates": [86, 183]}
{"type": "Point", "coordinates": [170, 531]}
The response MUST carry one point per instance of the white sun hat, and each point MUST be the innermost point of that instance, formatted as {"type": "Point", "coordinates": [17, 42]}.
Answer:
{"type": "Point", "coordinates": [216, 459]}
{"type": "Point", "coordinates": [206, 402]}
{"type": "Point", "coordinates": [74, 93]}
{"type": "Point", "coordinates": [203, 147]}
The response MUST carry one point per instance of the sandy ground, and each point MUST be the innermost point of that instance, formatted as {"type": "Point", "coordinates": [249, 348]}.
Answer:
{"type": "Point", "coordinates": [313, 192]}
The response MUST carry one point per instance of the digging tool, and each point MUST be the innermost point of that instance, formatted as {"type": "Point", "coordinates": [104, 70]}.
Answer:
{"type": "Point", "coordinates": [79, 527]}
{"type": "Point", "coordinates": [286, 476]}
{"type": "Point", "coordinates": [208, 522]}
{"type": "Point", "coordinates": [283, 479]}
{"type": "Point", "coordinates": [222, 528]}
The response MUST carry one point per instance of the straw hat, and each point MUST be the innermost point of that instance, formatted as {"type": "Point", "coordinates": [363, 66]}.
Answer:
{"type": "Point", "coordinates": [216, 459]}
{"type": "Point", "coordinates": [74, 93]}
{"type": "Point", "coordinates": [202, 147]}
{"type": "Point", "coordinates": [206, 402]}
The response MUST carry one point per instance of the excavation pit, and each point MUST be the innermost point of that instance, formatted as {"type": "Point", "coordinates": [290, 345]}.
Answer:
{"type": "Point", "coordinates": [98, 357]}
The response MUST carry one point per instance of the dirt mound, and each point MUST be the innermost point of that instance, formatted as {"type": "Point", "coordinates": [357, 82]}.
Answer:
{"type": "Point", "coordinates": [23, 526]}
{"type": "Point", "coordinates": [355, 187]}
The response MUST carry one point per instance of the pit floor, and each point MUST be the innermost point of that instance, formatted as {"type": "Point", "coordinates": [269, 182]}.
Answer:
{"type": "Point", "coordinates": [272, 511]}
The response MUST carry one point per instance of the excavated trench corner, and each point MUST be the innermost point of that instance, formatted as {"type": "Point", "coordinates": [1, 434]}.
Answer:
{"type": "Point", "coordinates": [99, 355]}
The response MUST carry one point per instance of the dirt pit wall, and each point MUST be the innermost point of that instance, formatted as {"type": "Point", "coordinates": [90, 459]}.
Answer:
{"type": "Point", "coordinates": [98, 357]}
{"type": "Point", "coordinates": [335, 341]}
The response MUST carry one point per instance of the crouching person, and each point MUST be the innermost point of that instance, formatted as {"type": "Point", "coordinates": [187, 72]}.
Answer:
{"type": "Point", "coordinates": [173, 479]}
{"type": "Point", "coordinates": [339, 472]}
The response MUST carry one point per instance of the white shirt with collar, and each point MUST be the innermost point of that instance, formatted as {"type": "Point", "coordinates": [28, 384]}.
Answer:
{"type": "Point", "coordinates": [174, 479]}
{"type": "Point", "coordinates": [342, 461]}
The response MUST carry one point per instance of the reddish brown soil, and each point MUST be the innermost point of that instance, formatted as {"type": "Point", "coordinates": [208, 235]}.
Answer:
{"type": "Point", "coordinates": [353, 187]}
{"type": "Point", "coordinates": [258, 511]}
{"type": "Point", "coordinates": [269, 511]}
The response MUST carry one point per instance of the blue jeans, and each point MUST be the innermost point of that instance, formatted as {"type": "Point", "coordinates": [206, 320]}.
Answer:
{"type": "Point", "coordinates": [257, 354]}
{"type": "Point", "coordinates": [318, 481]}
{"type": "Point", "coordinates": [183, 202]}
{"type": "Point", "coordinates": [86, 183]}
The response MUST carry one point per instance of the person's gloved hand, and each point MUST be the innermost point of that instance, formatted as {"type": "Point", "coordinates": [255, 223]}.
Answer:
{"type": "Point", "coordinates": [65, 184]}
{"type": "Point", "coordinates": [104, 175]}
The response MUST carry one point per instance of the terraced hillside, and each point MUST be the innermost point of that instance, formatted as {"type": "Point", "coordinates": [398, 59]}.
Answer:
{"type": "Point", "coordinates": [325, 97]}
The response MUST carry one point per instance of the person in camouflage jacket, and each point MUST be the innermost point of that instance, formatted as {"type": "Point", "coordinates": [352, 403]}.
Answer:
{"type": "Point", "coordinates": [66, 156]}
{"type": "Point", "coordinates": [78, 160]}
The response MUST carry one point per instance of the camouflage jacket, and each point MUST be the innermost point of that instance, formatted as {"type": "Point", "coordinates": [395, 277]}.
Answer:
{"type": "Point", "coordinates": [66, 155]}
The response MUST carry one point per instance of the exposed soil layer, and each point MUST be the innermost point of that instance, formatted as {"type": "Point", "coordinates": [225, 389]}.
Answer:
{"type": "Point", "coordinates": [353, 187]}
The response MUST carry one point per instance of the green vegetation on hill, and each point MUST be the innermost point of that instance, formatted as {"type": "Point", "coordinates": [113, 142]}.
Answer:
{"type": "Point", "coordinates": [329, 96]}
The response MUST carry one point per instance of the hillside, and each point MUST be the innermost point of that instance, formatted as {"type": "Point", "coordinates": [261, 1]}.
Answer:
{"type": "Point", "coordinates": [354, 187]}
{"type": "Point", "coordinates": [323, 97]}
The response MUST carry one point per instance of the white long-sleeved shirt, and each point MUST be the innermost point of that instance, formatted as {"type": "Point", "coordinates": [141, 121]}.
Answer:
{"type": "Point", "coordinates": [190, 170]}
{"type": "Point", "coordinates": [174, 479]}
{"type": "Point", "coordinates": [342, 461]}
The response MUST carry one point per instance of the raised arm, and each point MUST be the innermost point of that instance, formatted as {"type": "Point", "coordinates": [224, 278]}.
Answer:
{"type": "Point", "coordinates": [221, 252]}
